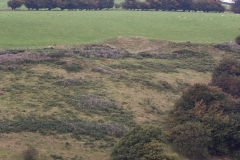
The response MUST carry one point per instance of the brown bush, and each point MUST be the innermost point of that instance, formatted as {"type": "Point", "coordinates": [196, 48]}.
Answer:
{"type": "Point", "coordinates": [204, 123]}
{"type": "Point", "coordinates": [30, 154]}
{"type": "Point", "coordinates": [237, 40]}
{"type": "Point", "coordinates": [227, 77]}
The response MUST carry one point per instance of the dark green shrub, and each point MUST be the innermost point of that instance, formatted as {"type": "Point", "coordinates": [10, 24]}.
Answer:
{"type": "Point", "coordinates": [145, 143]}
{"type": "Point", "coordinates": [238, 40]}
{"type": "Point", "coordinates": [57, 157]}
{"type": "Point", "coordinates": [199, 93]}
{"type": "Point", "coordinates": [227, 76]}
{"type": "Point", "coordinates": [192, 140]}
{"type": "Point", "coordinates": [30, 154]}
{"type": "Point", "coordinates": [205, 121]}
{"type": "Point", "coordinates": [73, 67]}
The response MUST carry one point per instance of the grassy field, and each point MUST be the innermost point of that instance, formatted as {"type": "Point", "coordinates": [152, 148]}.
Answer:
{"type": "Point", "coordinates": [57, 88]}
{"type": "Point", "coordinates": [42, 28]}
{"type": "Point", "coordinates": [3, 4]}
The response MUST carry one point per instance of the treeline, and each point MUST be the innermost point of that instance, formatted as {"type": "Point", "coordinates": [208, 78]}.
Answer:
{"type": "Point", "coordinates": [236, 6]}
{"type": "Point", "coordinates": [169, 5]}
{"type": "Point", "coordinates": [173, 5]}
{"type": "Point", "coordinates": [62, 4]}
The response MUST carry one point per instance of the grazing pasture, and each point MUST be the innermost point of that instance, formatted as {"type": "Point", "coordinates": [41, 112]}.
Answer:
{"type": "Point", "coordinates": [42, 28]}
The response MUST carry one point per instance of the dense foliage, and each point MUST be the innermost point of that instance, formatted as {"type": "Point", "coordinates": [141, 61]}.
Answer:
{"type": "Point", "coordinates": [238, 40]}
{"type": "Point", "coordinates": [205, 122]}
{"type": "Point", "coordinates": [227, 76]}
{"type": "Point", "coordinates": [185, 5]}
{"type": "Point", "coordinates": [69, 4]}
{"type": "Point", "coordinates": [236, 6]}
{"type": "Point", "coordinates": [15, 4]}
{"type": "Point", "coordinates": [199, 5]}
{"type": "Point", "coordinates": [142, 143]}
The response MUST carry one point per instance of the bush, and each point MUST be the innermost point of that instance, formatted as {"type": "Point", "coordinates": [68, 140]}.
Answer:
{"type": "Point", "coordinates": [205, 121]}
{"type": "Point", "coordinates": [142, 143]}
{"type": "Point", "coordinates": [227, 76]}
{"type": "Point", "coordinates": [73, 67]}
{"type": "Point", "coordinates": [30, 154]}
{"type": "Point", "coordinates": [156, 150]}
{"type": "Point", "coordinates": [238, 40]}
{"type": "Point", "coordinates": [200, 94]}
{"type": "Point", "coordinates": [192, 140]}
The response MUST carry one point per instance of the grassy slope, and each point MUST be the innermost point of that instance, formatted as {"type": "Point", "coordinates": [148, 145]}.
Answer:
{"type": "Point", "coordinates": [33, 29]}
{"type": "Point", "coordinates": [136, 85]}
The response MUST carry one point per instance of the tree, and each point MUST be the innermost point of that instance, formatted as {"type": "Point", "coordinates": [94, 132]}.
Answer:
{"type": "Point", "coordinates": [155, 4]}
{"type": "Point", "coordinates": [208, 6]}
{"type": "Point", "coordinates": [31, 4]}
{"type": "Point", "coordinates": [50, 4]}
{"type": "Point", "coordinates": [130, 4]}
{"type": "Point", "coordinates": [15, 4]}
{"type": "Point", "coordinates": [185, 5]}
{"type": "Point", "coordinates": [236, 6]}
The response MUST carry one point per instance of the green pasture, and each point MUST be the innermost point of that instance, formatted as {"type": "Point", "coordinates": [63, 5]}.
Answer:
{"type": "Point", "coordinates": [41, 28]}
{"type": "Point", "coordinates": [3, 4]}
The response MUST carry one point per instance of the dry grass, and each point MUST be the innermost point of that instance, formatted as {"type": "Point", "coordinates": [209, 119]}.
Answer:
{"type": "Point", "coordinates": [139, 85]}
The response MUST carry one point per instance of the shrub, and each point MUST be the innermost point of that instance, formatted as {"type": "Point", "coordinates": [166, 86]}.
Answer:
{"type": "Point", "coordinates": [238, 40]}
{"type": "Point", "coordinates": [156, 150]}
{"type": "Point", "coordinates": [205, 121]}
{"type": "Point", "coordinates": [227, 76]}
{"type": "Point", "coordinates": [200, 93]}
{"type": "Point", "coordinates": [192, 140]}
{"type": "Point", "coordinates": [30, 154]}
{"type": "Point", "coordinates": [142, 143]}
{"type": "Point", "coordinates": [73, 67]}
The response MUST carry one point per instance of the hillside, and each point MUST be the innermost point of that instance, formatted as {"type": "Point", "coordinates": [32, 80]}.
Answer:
{"type": "Point", "coordinates": [75, 102]}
